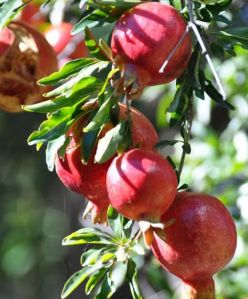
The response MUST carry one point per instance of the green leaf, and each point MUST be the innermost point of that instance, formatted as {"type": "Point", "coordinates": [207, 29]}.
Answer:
{"type": "Point", "coordinates": [97, 18]}
{"type": "Point", "coordinates": [87, 236]}
{"type": "Point", "coordinates": [7, 11]}
{"type": "Point", "coordinates": [116, 221]}
{"type": "Point", "coordinates": [93, 45]}
{"type": "Point", "coordinates": [74, 86]}
{"type": "Point", "coordinates": [121, 226]}
{"type": "Point", "coordinates": [109, 144]}
{"type": "Point", "coordinates": [132, 278]}
{"type": "Point", "coordinates": [237, 36]}
{"type": "Point", "coordinates": [52, 149]}
{"type": "Point", "coordinates": [78, 278]}
{"type": "Point", "coordinates": [88, 142]}
{"type": "Point", "coordinates": [216, 96]}
{"type": "Point", "coordinates": [90, 257]}
{"type": "Point", "coordinates": [94, 280]}
{"type": "Point", "coordinates": [70, 68]}
{"type": "Point", "coordinates": [102, 116]}
{"type": "Point", "coordinates": [55, 126]}
{"type": "Point", "coordinates": [107, 288]}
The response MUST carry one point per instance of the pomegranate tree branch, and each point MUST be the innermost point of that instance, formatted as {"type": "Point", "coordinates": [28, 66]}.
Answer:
{"type": "Point", "coordinates": [200, 39]}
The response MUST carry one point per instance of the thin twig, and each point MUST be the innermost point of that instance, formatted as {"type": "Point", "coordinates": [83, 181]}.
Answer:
{"type": "Point", "coordinates": [172, 53]}
{"type": "Point", "coordinates": [192, 25]}
{"type": "Point", "coordinates": [129, 118]}
{"type": "Point", "coordinates": [188, 125]}
{"type": "Point", "coordinates": [180, 168]}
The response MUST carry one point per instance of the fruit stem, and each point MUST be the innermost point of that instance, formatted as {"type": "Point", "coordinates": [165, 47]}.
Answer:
{"type": "Point", "coordinates": [200, 39]}
{"type": "Point", "coordinates": [199, 289]}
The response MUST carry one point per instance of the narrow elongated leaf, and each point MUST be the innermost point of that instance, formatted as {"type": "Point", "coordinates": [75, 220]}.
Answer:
{"type": "Point", "coordinates": [74, 85]}
{"type": "Point", "coordinates": [97, 18]}
{"type": "Point", "coordinates": [70, 68]}
{"type": "Point", "coordinates": [87, 236]}
{"type": "Point", "coordinates": [52, 149]}
{"type": "Point", "coordinates": [216, 96]}
{"type": "Point", "coordinates": [88, 142]}
{"type": "Point", "coordinates": [90, 257]}
{"type": "Point", "coordinates": [115, 220]}
{"type": "Point", "coordinates": [109, 144]}
{"type": "Point", "coordinates": [93, 45]}
{"type": "Point", "coordinates": [102, 115]}
{"type": "Point", "coordinates": [238, 36]}
{"type": "Point", "coordinates": [107, 288]}
{"type": "Point", "coordinates": [78, 278]}
{"type": "Point", "coordinates": [94, 280]}
{"type": "Point", "coordinates": [121, 226]}
{"type": "Point", "coordinates": [132, 278]}
{"type": "Point", "coordinates": [53, 127]}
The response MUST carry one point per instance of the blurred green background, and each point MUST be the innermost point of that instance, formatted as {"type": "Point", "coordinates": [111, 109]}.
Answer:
{"type": "Point", "coordinates": [36, 211]}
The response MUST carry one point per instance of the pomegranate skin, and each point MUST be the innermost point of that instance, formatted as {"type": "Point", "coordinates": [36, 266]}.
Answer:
{"type": "Point", "coordinates": [200, 241]}
{"type": "Point", "coordinates": [90, 180]}
{"type": "Point", "coordinates": [28, 58]}
{"type": "Point", "coordinates": [145, 35]}
{"type": "Point", "coordinates": [141, 185]}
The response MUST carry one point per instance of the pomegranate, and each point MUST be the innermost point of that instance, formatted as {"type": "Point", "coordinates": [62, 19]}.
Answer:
{"type": "Point", "coordinates": [198, 243]}
{"type": "Point", "coordinates": [90, 180]}
{"type": "Point", "coordinates": [144, 37]}
{"type": "Point", "coordinates": [25, 57]}
{"type": "Point", "coordinates": [141, 185]}
{"type": "Point", "coordinates": [59, 36]}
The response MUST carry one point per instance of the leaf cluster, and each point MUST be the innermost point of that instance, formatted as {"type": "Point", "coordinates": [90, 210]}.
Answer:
{"type": "Point", "coordinates": [113, 253]}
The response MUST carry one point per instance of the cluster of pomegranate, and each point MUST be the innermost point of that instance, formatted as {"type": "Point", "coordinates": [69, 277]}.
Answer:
{"type": "Point", "coordinates": [198, 237]}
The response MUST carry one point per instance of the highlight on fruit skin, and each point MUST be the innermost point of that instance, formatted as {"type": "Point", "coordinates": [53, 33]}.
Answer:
{"type": "Point", "coordinates": [89, 179]}
{"type": "Point", "coordinates": [199, 242]}
{"type": "Point", "coordinates": [142, 40]}
{"type": "Point", "coordinates": [25, 57]}
{"type": "Point", "coordinates": [141, 184]}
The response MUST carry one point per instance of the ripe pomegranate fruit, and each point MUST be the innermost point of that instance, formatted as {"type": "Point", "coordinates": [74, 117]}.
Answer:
{"type": "Point", "coordinates": [141, 185]}
{"type": "Point", "coordinates": [144, 37]}
{"type": "Point", "coordinates": [59, 36]}
{"type": "Point", "coordinates": [90, 180]}
{"type": "Point", "coordinates": [25, 57]}
{"type": "Point", "coordinates": [198, 243]}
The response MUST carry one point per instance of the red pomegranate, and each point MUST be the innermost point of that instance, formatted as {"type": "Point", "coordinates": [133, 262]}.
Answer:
{"type": "Point", "coordinates": [25, 57]}
{"type": "Point", "coordinates": [198, 243]}
{"type": "Point", "coordinates": [144, 37]}
{"type": "Point", "coordinates": [141, 185]}
{"type": "Point", "coordinates": [59, 36]}
{"type": "Point", "coordinates": [90, 180]}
